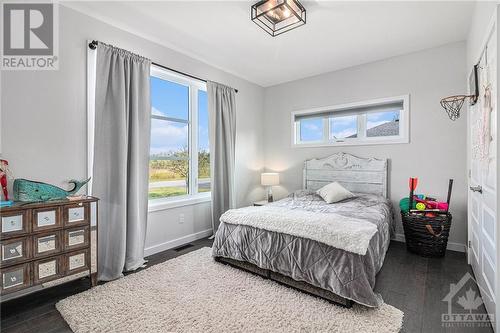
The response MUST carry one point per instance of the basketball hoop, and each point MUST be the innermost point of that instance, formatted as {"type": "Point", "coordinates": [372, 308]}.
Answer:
{"type": "Point", "coordinates": [453, 105]}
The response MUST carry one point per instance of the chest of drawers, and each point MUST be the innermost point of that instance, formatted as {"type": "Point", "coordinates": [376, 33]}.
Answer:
{"type": "Point", "coordinates": [42, 242]}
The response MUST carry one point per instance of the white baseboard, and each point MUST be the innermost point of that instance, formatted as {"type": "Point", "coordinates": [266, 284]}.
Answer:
{"type": "Point", "coordinates": [176, 242]}
{"type": "Point", "coordinates": [452, 246]}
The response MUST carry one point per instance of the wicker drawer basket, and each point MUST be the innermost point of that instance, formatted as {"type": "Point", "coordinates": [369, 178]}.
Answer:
{"type": "Point", "coordinates": [426, 236]}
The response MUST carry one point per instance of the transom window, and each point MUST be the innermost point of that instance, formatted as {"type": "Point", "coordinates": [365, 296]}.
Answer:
{"type": "Point", "coordinates": [179, 160]}
{"type": "Point", "coordinates": [380, 121]}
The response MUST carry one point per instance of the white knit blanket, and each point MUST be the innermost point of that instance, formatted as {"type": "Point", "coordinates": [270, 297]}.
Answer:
{"type": "Point", "coordinates": [349, 234]}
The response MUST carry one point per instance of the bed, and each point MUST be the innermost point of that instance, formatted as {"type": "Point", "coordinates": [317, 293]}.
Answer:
{"type": "Point", "coordinates": [344, 245]}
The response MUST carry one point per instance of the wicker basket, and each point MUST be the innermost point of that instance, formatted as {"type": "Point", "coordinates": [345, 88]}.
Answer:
{"type": "Point", "coordinates": [426, 236]}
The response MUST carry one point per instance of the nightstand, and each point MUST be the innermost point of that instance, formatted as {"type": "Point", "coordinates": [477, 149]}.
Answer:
{"type": "Point", "coordinates": [260, 203]}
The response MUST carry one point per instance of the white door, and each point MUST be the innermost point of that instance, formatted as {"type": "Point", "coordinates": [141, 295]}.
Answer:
{"type": "Point", "coordinates": [483, 189]}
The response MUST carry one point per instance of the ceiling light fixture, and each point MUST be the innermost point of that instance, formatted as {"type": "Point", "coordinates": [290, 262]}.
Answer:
{"type": "Point", "coordinates": [278, 16]}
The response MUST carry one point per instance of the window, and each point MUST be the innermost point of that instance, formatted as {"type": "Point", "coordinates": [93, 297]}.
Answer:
{"type": "Point", "coordinates": [381, 121]}
{"type": "Point", "coordinates": [382, 124]}
{"type": "Point", "coordinates": [311, 130]}
{"type": "Point", "coordinates": [343, 127]}
{"type": "Point", "coordinates": [179, 161]}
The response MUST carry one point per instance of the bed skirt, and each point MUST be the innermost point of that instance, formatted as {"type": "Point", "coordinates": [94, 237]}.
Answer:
{"type": "Point", "coordinates": [287, 281]}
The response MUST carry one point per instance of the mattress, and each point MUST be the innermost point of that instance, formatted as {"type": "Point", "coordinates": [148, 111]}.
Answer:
{"type": "Point", "coordinates": [344, 273]}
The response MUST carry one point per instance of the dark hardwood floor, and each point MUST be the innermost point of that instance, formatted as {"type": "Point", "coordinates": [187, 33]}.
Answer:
{"type": "Point", "coordinates": [411, 283]}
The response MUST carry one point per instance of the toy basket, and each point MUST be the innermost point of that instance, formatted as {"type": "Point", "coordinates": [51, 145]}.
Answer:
{"type": "Point", "coordinates": [426, 236]}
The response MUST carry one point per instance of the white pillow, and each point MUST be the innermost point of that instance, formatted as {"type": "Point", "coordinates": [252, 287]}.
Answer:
{"type": "Point", "coordinates": [334, 192]}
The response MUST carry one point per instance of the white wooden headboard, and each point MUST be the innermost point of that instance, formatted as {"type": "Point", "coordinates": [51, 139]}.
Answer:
{"type": "Point", "coordinates": [362, 175]}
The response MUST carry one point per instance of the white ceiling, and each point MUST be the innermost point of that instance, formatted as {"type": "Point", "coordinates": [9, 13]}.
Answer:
{"type": "Point", "coordinates": [337, 34]}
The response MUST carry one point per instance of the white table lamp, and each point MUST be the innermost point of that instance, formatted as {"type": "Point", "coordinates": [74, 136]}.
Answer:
{"type": "Point", "coordinates": [270, 179]}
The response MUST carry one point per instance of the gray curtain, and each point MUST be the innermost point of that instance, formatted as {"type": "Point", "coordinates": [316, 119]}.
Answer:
{"type": "Point", "coordinates": [121, 156]}
{"type": "Point", "coordinates": [222, 135]}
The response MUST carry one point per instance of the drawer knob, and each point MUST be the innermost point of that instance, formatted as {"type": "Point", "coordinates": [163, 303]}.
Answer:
{"type": "Point", "coordinates": [13, 279]}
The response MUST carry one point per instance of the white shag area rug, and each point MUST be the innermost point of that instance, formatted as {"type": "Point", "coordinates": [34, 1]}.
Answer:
{"type": "Point", "coordinates": [193, 293]}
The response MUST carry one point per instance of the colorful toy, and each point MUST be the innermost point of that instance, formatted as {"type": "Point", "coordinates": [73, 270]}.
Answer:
{"type": "Point", "coordinates": [420, 203]}
{"type": "Point", "coordinates": [420, 206]}
{"type": "Point", "coordinates": [31, 191]}
{"type": "Point", "coordinates": [4, 172]}
{"type": "Point", "coordinates": [404, 205]}
{"type": "Point", "coordinates": [432, 204]}
{"type": "Point", "coordinates": [412, 183]}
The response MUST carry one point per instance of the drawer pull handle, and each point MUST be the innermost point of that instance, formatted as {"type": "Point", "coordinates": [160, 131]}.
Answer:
{"type": "Point", "coordinates": [12, 251]}
{"type": "Point", "coordinates": [13, 279]}
{"type": "Point", "coordinates": [46, 218]}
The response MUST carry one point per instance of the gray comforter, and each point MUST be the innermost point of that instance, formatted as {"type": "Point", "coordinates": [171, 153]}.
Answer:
{"type": "Point", "coordinates": [346, 274]}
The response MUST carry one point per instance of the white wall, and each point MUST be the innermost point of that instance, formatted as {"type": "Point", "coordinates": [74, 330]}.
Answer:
{"type": "Point", "coordinates": [436, 149]}
{"type": "Point", "coordinates": [482, 17]}
{"type": "Point", "coordinates": [43, 128]}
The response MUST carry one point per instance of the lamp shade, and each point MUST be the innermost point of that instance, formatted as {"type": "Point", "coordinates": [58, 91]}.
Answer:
{"type": "Point", "coordinates": [270, 178]}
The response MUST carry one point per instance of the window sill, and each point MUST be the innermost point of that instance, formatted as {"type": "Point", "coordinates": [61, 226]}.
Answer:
{"type": "Point", "coordinates": [169, 203]}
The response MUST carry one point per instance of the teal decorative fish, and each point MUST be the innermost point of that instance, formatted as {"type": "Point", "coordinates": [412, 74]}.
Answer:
{"type": "Point", "coordinates": [32, 191]}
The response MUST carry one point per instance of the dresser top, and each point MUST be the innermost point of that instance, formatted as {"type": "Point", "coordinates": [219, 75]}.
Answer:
{"type": "Point", "coordinates": [17, 205]}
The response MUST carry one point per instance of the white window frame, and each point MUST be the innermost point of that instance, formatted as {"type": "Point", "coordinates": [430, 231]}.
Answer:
{"type": "Point", "coordinates": [193, 197]}
{"type": "Point", "coordinates": [353, 109]}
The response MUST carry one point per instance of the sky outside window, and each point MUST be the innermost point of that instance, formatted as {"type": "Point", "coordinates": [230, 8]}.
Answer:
{"type": "Point", "coordinates": [169, 99]}
{"type": "Point", "coordinates": [343, 127]}
{"type": "Point", "coordinates": [311, 129]}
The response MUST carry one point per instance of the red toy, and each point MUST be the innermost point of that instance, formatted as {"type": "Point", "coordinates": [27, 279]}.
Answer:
{"type": "Point", "coordinates": [412, 183]}
{"type": "Point", "coordinates": [4, 170]}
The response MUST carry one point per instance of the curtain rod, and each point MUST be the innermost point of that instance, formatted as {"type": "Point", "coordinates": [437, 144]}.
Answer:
{"type": "Point", "coordinates": [93, 46]}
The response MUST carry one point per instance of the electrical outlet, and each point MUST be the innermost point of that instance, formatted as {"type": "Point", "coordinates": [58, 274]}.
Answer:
{"type": "Point", "coordinates": [181, 218]}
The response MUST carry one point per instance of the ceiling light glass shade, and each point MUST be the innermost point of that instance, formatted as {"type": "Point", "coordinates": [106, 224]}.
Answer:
{"type": "Point", "coordinates": [278, 16]}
